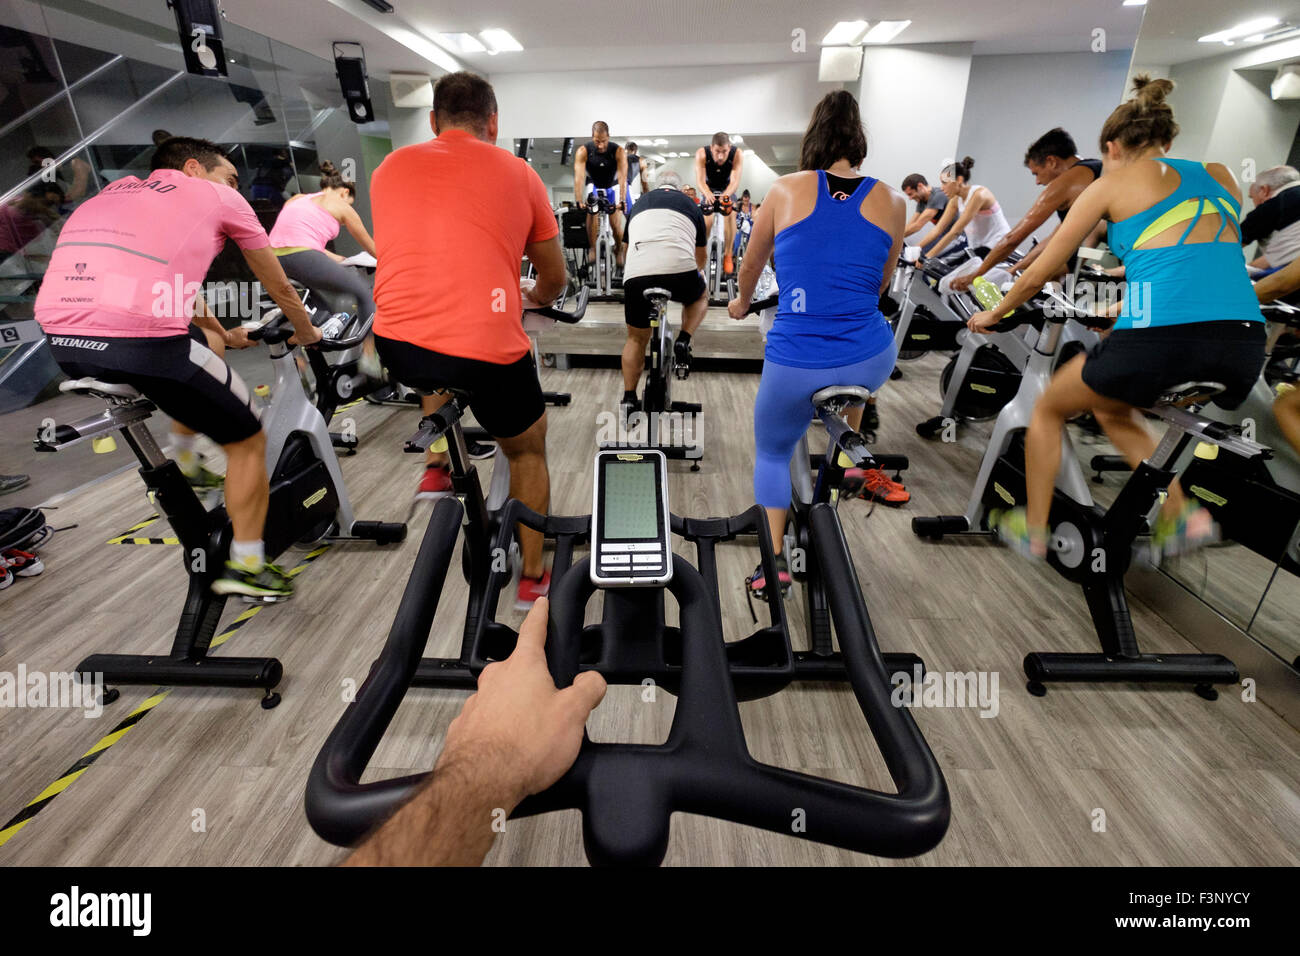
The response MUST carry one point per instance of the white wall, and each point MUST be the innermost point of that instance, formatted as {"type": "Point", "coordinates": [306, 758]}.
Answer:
{"type": "Point", "coordinates": [912, 100]}
{"type": "Point", "coordinates": [676, 101]}
{"type": "Point", "coordinates": [1253, 129]}
{"type": "Point", "coordinates": [1013, 100]}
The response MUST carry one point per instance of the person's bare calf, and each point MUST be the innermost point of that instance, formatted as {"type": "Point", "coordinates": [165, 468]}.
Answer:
{"type": "Point", "coordinates": [530, 483]}
{"type": "Point", "coordinates": [634, 357]}
{"type": "Point", "coordinates": [247, 489]}
{"type": "Point", "coordinates": [428, 405]}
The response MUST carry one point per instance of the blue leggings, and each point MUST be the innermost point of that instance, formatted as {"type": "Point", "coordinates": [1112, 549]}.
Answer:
{"type": "Point", "coordinates": [784, 409]}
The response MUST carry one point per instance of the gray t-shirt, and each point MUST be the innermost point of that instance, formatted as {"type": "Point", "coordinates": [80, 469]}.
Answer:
{"type": "Point", "coordinates": [937, 201]}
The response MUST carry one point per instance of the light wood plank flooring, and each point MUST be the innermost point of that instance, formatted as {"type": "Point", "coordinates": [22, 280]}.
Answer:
{"type": "Point", "coordinates": [1181, 781]}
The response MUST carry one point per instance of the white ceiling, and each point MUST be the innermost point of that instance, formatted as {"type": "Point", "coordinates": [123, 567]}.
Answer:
{"type": "Point", "coordinates": [564, 35]}
{"type": "Point", "coordinates": [1171, 28]}
{"type": "Point", "coordinates": [568, 35]}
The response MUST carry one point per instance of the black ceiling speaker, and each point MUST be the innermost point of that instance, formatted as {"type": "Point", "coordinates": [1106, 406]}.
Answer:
{"type": "Point", "coordinates": [199, 24]}
{"type": "Point", "coordinates": [566, 152]}
{"type": "Point", "coordinates": [351, 71]}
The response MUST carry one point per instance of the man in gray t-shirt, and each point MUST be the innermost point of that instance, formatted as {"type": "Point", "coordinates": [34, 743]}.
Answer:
{"type": "Point", "coordinates": [930, 203]}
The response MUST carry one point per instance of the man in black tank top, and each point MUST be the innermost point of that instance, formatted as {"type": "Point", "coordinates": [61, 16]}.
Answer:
{"type": "Point", "coordinates": [601, 166]}
{"type": "Point", "coordinates": [1053, 159]}
{"type": "Point", "coordinates": [718, 168]}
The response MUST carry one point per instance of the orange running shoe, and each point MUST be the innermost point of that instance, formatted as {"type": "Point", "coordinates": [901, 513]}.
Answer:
{"type": "Point", "coordinates": [728, 264]}
{"type": "Point", "coordinates": [874, 484]}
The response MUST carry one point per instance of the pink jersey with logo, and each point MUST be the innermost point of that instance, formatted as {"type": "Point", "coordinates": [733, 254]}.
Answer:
{"type": "Point", "coordinates": [302, 224]}
{"type": "Point", "coordinates": [131, 260]}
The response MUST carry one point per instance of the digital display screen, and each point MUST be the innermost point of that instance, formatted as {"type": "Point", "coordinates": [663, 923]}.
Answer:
{"type": "Point", "coordinates": [630, 504]}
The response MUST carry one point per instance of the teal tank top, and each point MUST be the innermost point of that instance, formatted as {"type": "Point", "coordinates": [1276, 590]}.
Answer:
{"type": "Point", "coordinates": [1189, 281]}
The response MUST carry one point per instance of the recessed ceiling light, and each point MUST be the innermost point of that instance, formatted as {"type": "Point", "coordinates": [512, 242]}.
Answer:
{"type": "Point", "coordinates": [886, 30]}
{"type": "Point", "coordinates": [1241, 30]}
{"type": "Point", "coordinates": [658, 142]}
{"type": "Point", "coordinates": [845, 33]}
{"type": "Point", "coordinates": [1135, 3]}
{"type": "Point", "coordinates": [461, 42]}
{"type": "Point", "coordinates": [499, 41]}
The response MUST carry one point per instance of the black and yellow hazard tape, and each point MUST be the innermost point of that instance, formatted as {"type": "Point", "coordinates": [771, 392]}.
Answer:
{"type": "Point", "coordinates": [129, 537]}
{"type": "Point", "coordinates": [156, 697]}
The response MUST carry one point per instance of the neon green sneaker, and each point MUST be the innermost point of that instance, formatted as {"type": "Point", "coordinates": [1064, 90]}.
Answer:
{"type": "Point", "coordinates": [1193, 527]}
{"type": "Point", "coordinates": [1012, 529]}
{"type": "Point", "coordinates": [267, 584]}
{"type": "Point", "coordinates": [204, 479]}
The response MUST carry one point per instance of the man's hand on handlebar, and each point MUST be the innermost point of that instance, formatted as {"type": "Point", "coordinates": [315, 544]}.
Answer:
{"type": "Point", "coordinates": [237, 338]}
{"type": "Point", "coordinates": [526, 287]}
{"type": "Point", "coordinates": [518, 730]}
{"type": "Point", "coordinates": [308, 336]}
{"type": "Point", "coordinates": [983, 322]}
{"type": "Point", "coordinates": [738, 307]}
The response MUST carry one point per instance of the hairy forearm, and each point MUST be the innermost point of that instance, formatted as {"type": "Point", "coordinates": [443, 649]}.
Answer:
{"type": "Point", "coordinates": [449, 822]}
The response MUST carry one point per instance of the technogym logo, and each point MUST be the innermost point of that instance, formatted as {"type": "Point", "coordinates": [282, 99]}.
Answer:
{"type": "Point", "coordinates": [52, 689]}
{"type": "Point", "coordinates": [75, 909]}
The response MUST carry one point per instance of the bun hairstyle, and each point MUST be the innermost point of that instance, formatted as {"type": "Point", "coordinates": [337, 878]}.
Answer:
{"type": "Point", "coordinates": [1145, 120]}
{"type": "Point", "coordinates": [331, 178]}
{"type": "Point", "coordinates": [959, 170]}
{"type": "Point", "coordinates": [835, 132]}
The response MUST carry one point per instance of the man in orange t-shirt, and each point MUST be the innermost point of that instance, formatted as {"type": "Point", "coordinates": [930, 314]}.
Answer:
{"type": "Point", "coordinates": [452, 219]}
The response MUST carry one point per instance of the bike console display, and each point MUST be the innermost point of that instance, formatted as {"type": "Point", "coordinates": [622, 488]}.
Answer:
{"type": "Point", "coordinates": [630, 544]}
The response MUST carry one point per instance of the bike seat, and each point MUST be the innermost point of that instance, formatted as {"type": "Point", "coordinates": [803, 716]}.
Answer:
{"type": "Point", "coordinates": [1189, 393]}
{"type": "Point", "coordinates": [657, 293]}
{"type": "Point", "coordinates": [840, 395]}
{"type": "Point", "coordinates": [110, 392]}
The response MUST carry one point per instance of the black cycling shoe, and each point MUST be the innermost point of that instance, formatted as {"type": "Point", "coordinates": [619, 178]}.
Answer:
{"type": "Point", "coordinates": [682, 357]}
{"type": "Point", "coordinates": [479, 450]}
{"type": "Point", "coordinates": [870, 418]}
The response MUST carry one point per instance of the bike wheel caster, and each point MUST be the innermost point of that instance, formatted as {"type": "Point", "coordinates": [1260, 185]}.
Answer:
{"type": "Point", "coordinates": [111, 694]}
{"type": "Point", "coordinates": [1036, 688]}
{"type": "Point", "coordinates": [272, 699]}
{"type": "Point", "coordinates": [1206, 692]}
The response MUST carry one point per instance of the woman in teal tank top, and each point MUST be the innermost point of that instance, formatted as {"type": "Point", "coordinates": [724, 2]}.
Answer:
{"type": "Point", "coordinates": [1189, 312]}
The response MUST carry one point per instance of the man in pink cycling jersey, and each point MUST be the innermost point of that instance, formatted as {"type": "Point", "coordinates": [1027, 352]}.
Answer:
{"type": "Point", "coordinates": [116, 304]}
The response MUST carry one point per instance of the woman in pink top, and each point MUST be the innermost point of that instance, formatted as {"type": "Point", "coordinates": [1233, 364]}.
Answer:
{"type": "Point", "coordinates": [309, 221]}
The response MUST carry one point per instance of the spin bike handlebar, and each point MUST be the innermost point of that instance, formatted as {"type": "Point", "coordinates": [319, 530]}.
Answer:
{"type": "Point", "coordinates": [1281, 312]}
{"type": "Point", "coordinates": [722, 204]}
{"type": "Point", "coordinates": [279, 329]}
{"type": "Point", "coordinates": [762, 305]}
{"type": "Point", "coordinates": [560, 314]}
{"type": "Point", "coordinates": [627, 793]}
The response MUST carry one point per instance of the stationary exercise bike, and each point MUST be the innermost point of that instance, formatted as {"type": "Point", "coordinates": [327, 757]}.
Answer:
{"type": "Point", "coordinates": [820, 480]}
{"type": "Point", "coordinates": [603, 286]}
{"type": "Point", "coordinates": [308, 504]}
{"type": "Point", "coordinates": [1256, 501]}
{"type": "Point", "coordinates": [628, 792]}
{"type": "Point", "coordinates": [722, 286]}
{"type": "Point", "coordinates": [1089, 546]}
{"type": "Point", "coordinates": [670, 426]}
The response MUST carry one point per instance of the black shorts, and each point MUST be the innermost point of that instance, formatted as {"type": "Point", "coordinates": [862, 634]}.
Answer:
{"type": "Point", "coordinates": [683, 287]}
{"type": "Point", "coordinates": [506, 399]}
{"type": "Point", "coordinates": [1137, 366]}
{"type": "Point", "coordinates": [178, 373]}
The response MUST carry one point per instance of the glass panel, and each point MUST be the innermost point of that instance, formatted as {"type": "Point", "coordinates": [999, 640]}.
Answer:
{"type": "Point", "coordinates": [1277, 624]}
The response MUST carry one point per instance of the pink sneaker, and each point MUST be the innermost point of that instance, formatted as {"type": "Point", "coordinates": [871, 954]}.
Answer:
{"type": "Point", "coordinates": [436, 483]}
{"type": "Point", "coordinates": [530, 589]}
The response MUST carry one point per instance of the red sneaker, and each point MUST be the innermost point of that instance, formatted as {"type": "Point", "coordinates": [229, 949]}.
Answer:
{"type": "Point", "coordinates": [436, 483]}
{"type": "Point", "coordinates": [728, 266]}
{"type": "Point", "coordinates": [22, 564]}
{"type": "Point", "coordinates": [874, 484]}
{"type": "Point", "coordinates": [530, 589]}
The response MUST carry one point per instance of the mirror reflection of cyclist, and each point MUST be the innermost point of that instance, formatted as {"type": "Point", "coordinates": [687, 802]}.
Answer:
{"type": "Point", "coordinates": [744, 222]}
{"type": "Point", "coordinates": [717, 173]}
{"type": "Point", "coordinates": [600, 167]}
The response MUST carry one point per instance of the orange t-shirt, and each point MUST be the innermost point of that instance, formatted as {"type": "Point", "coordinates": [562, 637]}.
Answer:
{"type": "Point", "coordinates": [452, 217]}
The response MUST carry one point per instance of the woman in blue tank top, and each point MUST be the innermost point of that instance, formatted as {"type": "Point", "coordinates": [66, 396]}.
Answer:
{"type": "Point", "coordinates": [1190, 313]}
{"type": "Point", "coordinates": [837, 237]}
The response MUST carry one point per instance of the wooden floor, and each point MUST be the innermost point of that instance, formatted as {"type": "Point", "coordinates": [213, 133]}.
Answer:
{"type": "Point", "coordinates": [1181, 781]}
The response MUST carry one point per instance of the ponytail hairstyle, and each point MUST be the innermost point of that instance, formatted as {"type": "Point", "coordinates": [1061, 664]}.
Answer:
{"type": "Point", "coordinates": [331, 178]}
{"type": "Point", "coordinates": [835, 132]}
{"type": "Point", "coordinates": [1145, 120]}
{"type": "Point", "coordinates": [959, 170]}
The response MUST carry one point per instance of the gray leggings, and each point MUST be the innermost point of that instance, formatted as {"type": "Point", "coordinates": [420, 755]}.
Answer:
{"type": "Point", "coordinates": [321, 274]}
